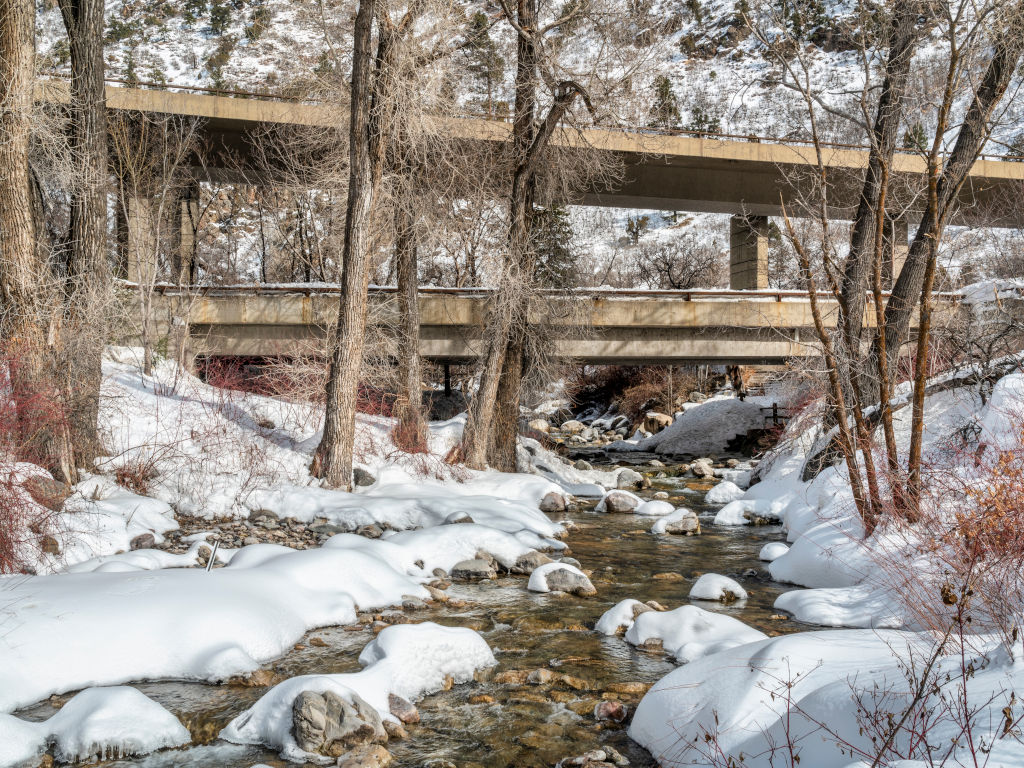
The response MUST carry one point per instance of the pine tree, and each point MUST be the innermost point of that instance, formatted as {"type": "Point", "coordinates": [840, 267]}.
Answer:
{"type": "Point", "coordinates": [665, 113]}
{"type": "Point", "coordinates": [552, 234]}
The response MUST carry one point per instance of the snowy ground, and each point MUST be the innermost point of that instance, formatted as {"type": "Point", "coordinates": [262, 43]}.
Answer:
{"type": "Point", "coordinates": [823, 696]}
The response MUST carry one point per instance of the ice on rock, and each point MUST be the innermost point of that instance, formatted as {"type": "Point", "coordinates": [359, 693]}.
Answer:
{"type": "Point", "coordinates": [690, 632]}
{"type": "Point", "coordinates": [713, 586]}
{"type": "Point", "coordinates": [407, 660]}
{"type": "Point", "coordinates": [103, 723]}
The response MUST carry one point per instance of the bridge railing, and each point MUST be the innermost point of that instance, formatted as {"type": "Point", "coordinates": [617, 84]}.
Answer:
{"type": "Point", "coordinates": [506, 118]}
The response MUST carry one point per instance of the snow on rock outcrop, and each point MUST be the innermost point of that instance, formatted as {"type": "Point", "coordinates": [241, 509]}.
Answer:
{"type": "Point", "coordinates": [408, 660]}
{"type": "Point", "coordinates": [560, 577]}
{"type": "Point", "coordinates": [98, 723]}
{"type": "Point", "coordinates": [682, 521]}
{"type": "Point", "coordinates": [708, 427]}
{"type": "Point", "coordinates": [689, 632]}
{"type": "Point", "coordinates": [620, 617]}
{"type": "Point", "coordinates": [723, 493]}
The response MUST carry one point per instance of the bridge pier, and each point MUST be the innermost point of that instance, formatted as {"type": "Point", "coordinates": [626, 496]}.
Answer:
{"type": "Point", "coordinates": [748, 252]}
{"type": "Point", "coordinates": [142, 238]}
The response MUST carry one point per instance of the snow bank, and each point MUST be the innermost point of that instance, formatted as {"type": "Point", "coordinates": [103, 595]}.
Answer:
{"type": "Point", "coordinates": [108, 723]}
{"type": "Point", "coordinates": [713, 586]}
{"type": "Point", "coordinates": [56, 631]}
{"type": "Point", "coordinates": [408, 660]}
{"type": "Point", "coordinates": [689, 632]}
{"type": "Point", "coordinates": [739, 697]}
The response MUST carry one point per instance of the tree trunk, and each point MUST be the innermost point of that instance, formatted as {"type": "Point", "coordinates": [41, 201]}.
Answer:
{"type": "Point", "coordinates": [412, 428]}
{"type": "Point", "coordinates": [28, 323]}
{"type": "Point", "coordinates": [333, 458]}
{"type": "Point", "coordinates": [87, 272]}
{"type": "Point", "coordinates": [903, 37]}
{"type": "Point", "coordinates": [970, 141]}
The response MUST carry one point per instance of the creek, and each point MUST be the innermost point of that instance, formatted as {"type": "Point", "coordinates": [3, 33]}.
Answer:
{"type": "Point", "coordinates": [492, 725]}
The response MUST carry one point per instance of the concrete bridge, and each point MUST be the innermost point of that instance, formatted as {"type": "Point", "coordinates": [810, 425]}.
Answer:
{"type": "Point", "coordinates": [747, 177]}
{"type": "Point", "coordinates": [597, 327]}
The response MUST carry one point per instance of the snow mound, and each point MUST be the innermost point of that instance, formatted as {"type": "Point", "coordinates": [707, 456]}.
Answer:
{"type": "Point", "coordinates": [103, 723]}
{"type": "Point", "coordinates": [661, 524]}
{"type": "Point", "coordinates": [655, 508]}
{"type": "Point", "coordinates": [859, 606]}
{"type": "Point", "coordinates": [740, 511]}
{"type": "Point", "coordinates": [619, 616]}
{"type": "Point", "coordinates": [723, 493]}
{"type": "Point", "coordinates": [772, 551]}
{"type": "Point", "coordinates": [408, 660]}
{"type": "Point", "coordinates": [712, 586]}
{"type": "Point", "coordinates": [689, 632]}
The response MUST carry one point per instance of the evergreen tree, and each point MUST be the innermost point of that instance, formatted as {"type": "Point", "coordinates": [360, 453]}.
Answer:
{"type": "Point", "coordinates": [551, 234]}
{"type": "Point", "coordinates": [665, 112]}
{"type": "Point", "coordinates": [485, 63]}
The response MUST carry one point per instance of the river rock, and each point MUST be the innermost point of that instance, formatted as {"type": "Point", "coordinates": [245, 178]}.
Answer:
{"type": "Point", "coordinates": [629, 480]}
{"type": "Point", "coordinates": [553, 502]}
{"type": "Point", "coordinates": [46, 491]}
{"type": "Point", "coordinates": [263, 517]}
{"type": "Point", "coordinates": [573, 427]}
{"type": "Point", "coordinates": [366, 756]}
{"type": "Point", "coordinates": [403, 709]}
{"type": "Point", "coordinates": [654, 421]}
{"type": "Point", "coordinates": [620, 503]}
{"type": "Point", "coordinates": [457, 518]}
{"type": "Point", "coordinates": [565, 579]}
{"type": "Point", "coordinates": [571, 561]}
{"type": "Point", "coordinates": [361, 478]}
{"type": "Point", "coordinates": [530, 561]}
{"type": "Point", "coordinates": [473, 570]}
{"type": "Point", "coordinates": [395, 731]}
{"type": "Point", "coordinates": [326, 724]}
{"type": "Point", "coordinates": [702, 468]}
{"type": "Point", "coordinates": [660, 495]}
{"type": "Point", "coordinates": [143, 541]}
{"type": "Point", "coordinates": [714, 586]}
{"type": "Point", "coordinates": [685, 525]}
{"type": "Point", "coordinates": [539, 425]}
{"type": "Point", "coordinates": [697, 397]}
{"type": "Point", "coordinates": [611, 709]}
{"type": "Point", "coordinates": [541, 676]}
{"type": "Point", "coordinates": [583, 466]}
{"type": "Point", "coordinates": [413, 603]}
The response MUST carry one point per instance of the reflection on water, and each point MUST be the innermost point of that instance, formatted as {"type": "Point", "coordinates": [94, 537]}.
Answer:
{"type": "Point", "coordinates": [492, 725]}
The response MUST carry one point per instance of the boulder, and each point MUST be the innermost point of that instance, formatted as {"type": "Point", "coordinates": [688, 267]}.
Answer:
{"type": "Point", "coordinates": [530, 561]}
{"type": "Point", "coordinates": [361, 478]}
{"type": "Point", "coordinates": [619, 503]}
{"type": "Point", "coordinates": [610, 710]}
{"type": "Point", "coordinates": [366, 756]}
{"type": "Point", "coordinates": [654, 421]}
{"type": "Point", "coordinates": [539, 425]}
{"type": "Point", "coordinates": [697, 397]}
{"type": "Point", "coordinates": [702, 468]}
{"type": "Point", "coordinates": [326, 724]}
{"type": "Point", "coordinates": [583, 466]}
{"type": "Point", "coordinates": [143, 541]}
{"type": "Point", "coordinates": [403, 709]}
{"type": "Point", "coordinates": [473, 570]}
{"type": "Point", "coordinates": [553, 502]}
{"type": "Point", "coordinates": [629, 480]}
{"type": "Point", "coordinates": [686, 525]}
{"type": "Point", "coordinates": [573, 427]}
{"type": "Point", "coordinates": [46, 491]}
{"type": "Point", "coordinates": [559, 577]}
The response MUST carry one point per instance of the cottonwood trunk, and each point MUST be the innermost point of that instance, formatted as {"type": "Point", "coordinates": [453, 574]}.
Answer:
{"type": "Point", "coordinates": [28, 328]}
{"type": "Point", "coordinates": [970, 141]}
{"type": "Point", "coordinates": [903, 37]}
{"type": "Point", "coordinates": [87, 269]}
{"type": "Point", "coordinates": [412, 427]}
{"type": "Point", "coordinates": [333, 458]}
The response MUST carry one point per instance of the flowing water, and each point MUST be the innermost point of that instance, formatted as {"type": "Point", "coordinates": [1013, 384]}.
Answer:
{"type": "Point", "coordinates": [492, 725]}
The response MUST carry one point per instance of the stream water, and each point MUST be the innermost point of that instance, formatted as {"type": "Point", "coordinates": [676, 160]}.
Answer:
{"type": "Point", "coordinates": [492, 725]}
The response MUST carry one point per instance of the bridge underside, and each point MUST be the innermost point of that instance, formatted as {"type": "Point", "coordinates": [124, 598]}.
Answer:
{"type": "Point", "coordinates": [618, 346]}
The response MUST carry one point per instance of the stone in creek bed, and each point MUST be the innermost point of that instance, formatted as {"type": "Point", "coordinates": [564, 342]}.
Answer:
{"type": "Point", "coordinates": [629, 480]}
{"type": "Point", "coordinates": [633, 688]}
{"type": "Point", "coordinates": [542, 676]}
{"type": "Point", "coordinates": [413, 603]}
{"type": "Point", "coordinates": [326, 724]}
{"type": "Point", "coordinates": [620, 503]}
{"type": "Point", "coordinates": [366, 756]}
{"type": "Point", "coordinates": [473, 570]}
{"type": "Point", "coordinates": [610, 709]}
{"type": "Point", "coordinates": [669, 576]}
{"type": "Point", "coordinates": [583, 466]}
{"type": "Point", "coordinates": [531, 560]}
{"type": "Point", "coordinates": [553, 502]}
{"type": "Point", "coordinates": [143, 541]}
{"type": "Point", "coordinates": [403, 709]}
{"type": "Point", "coordinates": [660, 495]}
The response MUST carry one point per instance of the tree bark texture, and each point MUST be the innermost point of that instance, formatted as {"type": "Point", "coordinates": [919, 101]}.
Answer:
{"type": "Point", "coordinates": [411, 418]}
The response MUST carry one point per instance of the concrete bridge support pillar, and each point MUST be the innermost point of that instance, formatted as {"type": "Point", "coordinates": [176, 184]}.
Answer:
{"type": "Point", "coordinates": [748, 253]}
{"type": "Point", "coordinates": [896, 248]}
{"type": "Point", "coordinates": [144, 236]}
